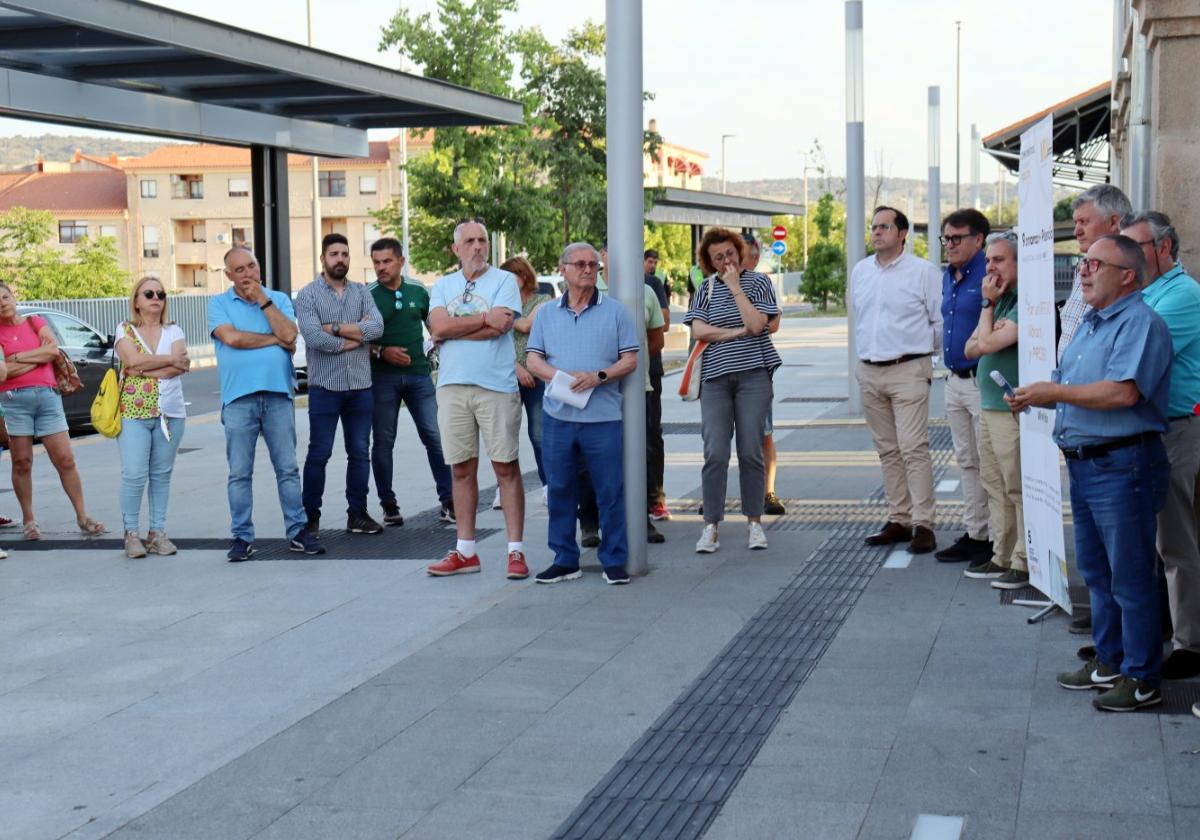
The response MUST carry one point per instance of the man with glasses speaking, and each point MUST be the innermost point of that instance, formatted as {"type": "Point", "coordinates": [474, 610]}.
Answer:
{"type": "Point", "coordinates": [896, 300]}
{"type": "Point", "coordinates": [471, 315]}
{"type": "Point", "coordinates": [1110, 395]}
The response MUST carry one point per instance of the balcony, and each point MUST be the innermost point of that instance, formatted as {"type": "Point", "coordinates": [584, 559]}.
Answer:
{"type": "Point", "coordinates": [191, 253]}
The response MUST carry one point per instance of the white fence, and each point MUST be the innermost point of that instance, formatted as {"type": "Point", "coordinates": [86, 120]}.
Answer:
{"type": "Point", "coordinates": [190, 312]}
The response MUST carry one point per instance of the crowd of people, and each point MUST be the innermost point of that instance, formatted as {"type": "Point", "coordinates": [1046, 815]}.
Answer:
{"type": "Point", "coordinates": [1125, 396]}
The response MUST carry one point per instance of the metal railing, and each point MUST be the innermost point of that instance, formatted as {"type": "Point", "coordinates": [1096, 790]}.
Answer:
{"type": "Point", "coordinates": [190, 312]}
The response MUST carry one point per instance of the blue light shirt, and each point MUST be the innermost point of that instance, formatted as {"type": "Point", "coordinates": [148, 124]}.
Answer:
{"type": "Point", "coordinates": [245, 372]}
{"type": "Point", "coordinates": [590, 341]}
{"type": "Point", "coordinates": [489, 363]}
{"type": "Point", "coordinates": [1125, 341]}
{"type": "Point", "coordinates": [1176, 298]}
{"type": "Point", "coordinates": [961, 302]}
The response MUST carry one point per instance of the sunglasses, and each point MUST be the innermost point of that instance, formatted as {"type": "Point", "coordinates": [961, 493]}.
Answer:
{"type": "Point", "coordinates": [584, 265]}
{"type": "Point", "coordinates": [468, 292]}
{"type": "Point", "coordinates": [151, 295]}
{"type": "Point", "coordinates": [399, 298]}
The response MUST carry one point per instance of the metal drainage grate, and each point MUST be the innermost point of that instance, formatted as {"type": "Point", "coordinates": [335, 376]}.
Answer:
{"type": "Point", "coordinates": [1178, 698]}
{"type": "Point", "coordinates": [673, 781]}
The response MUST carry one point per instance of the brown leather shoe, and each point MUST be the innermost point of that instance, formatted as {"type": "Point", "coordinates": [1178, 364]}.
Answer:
{"type": "Point", "coordinates": [923, 541]}
{"type": "Point", "coordinates": [893, 532]}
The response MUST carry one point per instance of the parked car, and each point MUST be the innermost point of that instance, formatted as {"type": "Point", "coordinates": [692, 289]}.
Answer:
{"type": "Point", "coordinates": [300, 363]}
{"type": "Point", "coordinates": [552, 284]}
{"type": "Point", "coordinates": [89, 349]}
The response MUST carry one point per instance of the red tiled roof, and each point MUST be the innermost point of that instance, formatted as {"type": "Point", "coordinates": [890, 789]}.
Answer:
{"type": "Point", "coordinates": [1031, 119]}
{"type": "Point", "coordinates": [210, 156]}
{"type": "Point", "coordinates": [60, 192]}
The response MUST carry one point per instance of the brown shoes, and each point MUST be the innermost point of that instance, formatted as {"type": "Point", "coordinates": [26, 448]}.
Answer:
{"type": "Point", "coordinates": [893, 532]}
{"type": "Point", "coordinates": [923, 541]}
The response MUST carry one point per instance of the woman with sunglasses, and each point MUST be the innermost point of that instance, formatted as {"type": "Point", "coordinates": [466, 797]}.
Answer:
{"type": "Point", "coordinates": [33, 407]}
{"type": "Point", "coordinates": [153, 354]}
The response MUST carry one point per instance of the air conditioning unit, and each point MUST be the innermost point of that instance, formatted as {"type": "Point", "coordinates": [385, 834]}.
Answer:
{"type": "Point", "coordinates": [222, 238]}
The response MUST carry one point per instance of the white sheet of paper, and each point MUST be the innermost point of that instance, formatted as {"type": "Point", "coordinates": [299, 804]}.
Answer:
{"type": "Point", "coordinates": [559, 389]}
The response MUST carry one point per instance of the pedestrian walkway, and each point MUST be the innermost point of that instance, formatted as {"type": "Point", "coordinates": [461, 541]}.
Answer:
{"type": "Point", "coordinates": [811, 690]}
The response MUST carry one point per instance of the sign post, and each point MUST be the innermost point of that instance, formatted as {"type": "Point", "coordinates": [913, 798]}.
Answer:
{"type": "Point", "coordinates": [779, 248]}
{"type": "Point", "coordinates": [1041, 479]}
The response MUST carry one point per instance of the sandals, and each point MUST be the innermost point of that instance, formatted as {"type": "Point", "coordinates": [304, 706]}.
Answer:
{"type": "Point", "coordinates": [92, 528]}
{"type": "Point", "coordinates": [30, 530]}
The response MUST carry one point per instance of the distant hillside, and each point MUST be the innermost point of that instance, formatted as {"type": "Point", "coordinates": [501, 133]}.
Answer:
{"type": "Point", "coordinates": [19, 151]}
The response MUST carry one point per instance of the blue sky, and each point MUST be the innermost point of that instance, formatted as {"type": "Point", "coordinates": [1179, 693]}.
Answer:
{"type": "Point", "coordinates": [771, 71]}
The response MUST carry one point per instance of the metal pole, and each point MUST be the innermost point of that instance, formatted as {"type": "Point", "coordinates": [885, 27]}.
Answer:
{"type": "Point", "coordinates": [625, 214]}
{"type": "Point", "coordinates": [856, 245]}
{"type": "Point", "coordinates": [957, 112]}
{"type": "Point", "coordinates": [804, 263]}
{"type": "Point", "coordinates": [1140, 150]}
{"type": "Point", "coordinates": [935, 175]}
{"type": "Point", "coordinates": [316, 200]}
{"type": "Point", "coordinates": [1118, 153]}
{"type": "Point", "coordinates": [404, 193]}
{"type": "Point", "coordinates": [974, 166]}
{"type": "Point", "coordinates": [724, 137]}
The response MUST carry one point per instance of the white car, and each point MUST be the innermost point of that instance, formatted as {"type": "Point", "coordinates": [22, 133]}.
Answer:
{"type": "Point", "coordinates": [300, 363]}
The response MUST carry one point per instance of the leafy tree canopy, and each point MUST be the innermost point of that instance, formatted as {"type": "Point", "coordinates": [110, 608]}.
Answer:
{"type": "Point", "coordinates": [37, 271]}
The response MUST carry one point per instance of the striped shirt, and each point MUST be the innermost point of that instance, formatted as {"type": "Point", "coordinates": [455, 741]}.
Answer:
{"type": "Point", "coordinates": [714, 304]}
{"type": "Point", "coordinates": [1071, 315]}
{"type": "Point", "coordinates": [328, 366]}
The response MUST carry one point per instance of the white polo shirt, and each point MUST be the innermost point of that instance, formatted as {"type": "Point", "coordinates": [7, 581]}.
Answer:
{"type": "Point", "coordinates": [897, 308]}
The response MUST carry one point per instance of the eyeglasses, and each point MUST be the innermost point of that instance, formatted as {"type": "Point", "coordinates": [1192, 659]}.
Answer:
{"type": "Point", "coordinates": [955, 239]}
{"type": "Point", "coordinates": [467, 294]}
{"type": "Point", "coordinates": [584, 265]}
{"type": "Point", "coordinates": [151, 295]}
{"type": "Point", "coordinates": [883, 227]}
{"type": "Point", "coordinates": [1091, 265]}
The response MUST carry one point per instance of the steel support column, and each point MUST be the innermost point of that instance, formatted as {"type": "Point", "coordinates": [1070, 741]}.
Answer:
{"type": "Point", "coordinates": [269, 199]}
{"type": "Point", "coordinates": [856, 211]}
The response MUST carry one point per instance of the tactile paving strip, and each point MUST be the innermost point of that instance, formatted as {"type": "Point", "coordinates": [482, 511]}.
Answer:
{"type": "Point", "coordinates": [813, 399]}
{"type": "Point", "coordinates": [672, 782]}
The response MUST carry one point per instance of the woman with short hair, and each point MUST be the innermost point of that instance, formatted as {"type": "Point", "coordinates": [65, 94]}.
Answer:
{"type": "Point", "coordinates": [732, 311]}
{"type": "Point", "coordinates": [33, 408]}
{"type": "Point", "coordinates": [153, 353]}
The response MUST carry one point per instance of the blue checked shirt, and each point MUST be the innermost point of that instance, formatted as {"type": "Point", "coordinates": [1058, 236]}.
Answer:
{"type": "Point", "coordinates": [328, 366]}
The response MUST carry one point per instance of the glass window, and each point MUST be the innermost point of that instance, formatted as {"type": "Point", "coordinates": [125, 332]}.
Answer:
{"type": "Point", "coordinates": [331, 184]}
{"type": "Point", "coordinates": [199, 232]}
{"type": "Point", "coordinates": [370, 234]}
{"type": "Point", "coordinates": [149, 241]}
{"type": "Point", "coordinates": [70, 232]}
{"type": "Point", "coordinates": [187, 186]}
{"type": "Point", "coordinates": [240, 236]}
{"type": "Point", "coordinates": [108, 230]}
{"type": "Point", "coordinates": [367, 184]}
{"type": "Point", "coordinates": [74, 333]}
{"type": "Point", "coordinates": [239, 187]}
{"type": "Point", "coordinates": [149, 189]}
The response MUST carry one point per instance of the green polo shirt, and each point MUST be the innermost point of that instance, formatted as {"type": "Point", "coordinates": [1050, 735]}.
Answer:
{"type": "Point", "coordinates": [991, 396]}
{"type": "Point", "coordinates": [404, 314]}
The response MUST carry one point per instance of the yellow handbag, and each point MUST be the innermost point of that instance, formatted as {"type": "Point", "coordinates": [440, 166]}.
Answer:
{"type": "Point", "coordinates": [106, 408]}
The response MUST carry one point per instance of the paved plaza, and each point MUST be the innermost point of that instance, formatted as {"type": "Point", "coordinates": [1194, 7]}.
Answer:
{"type": "Point", "coordinates": [819, 689]}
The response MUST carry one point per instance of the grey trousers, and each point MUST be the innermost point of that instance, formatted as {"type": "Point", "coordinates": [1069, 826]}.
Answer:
{"type": "Point", "coordinates": [734, 402]}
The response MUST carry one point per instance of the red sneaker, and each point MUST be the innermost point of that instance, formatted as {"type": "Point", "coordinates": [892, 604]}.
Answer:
{"type": "Point", "coordinates": [454, 564]}
{"type": "Point", "coordinates": [659, 512]}
{"type": "Point", "coordinates": [517, 570]}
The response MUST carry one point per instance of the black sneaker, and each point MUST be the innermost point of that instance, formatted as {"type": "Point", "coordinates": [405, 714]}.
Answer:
{"type": "Point", "coordinates": [965, 548]}
{"type": "Point", "coordinates": [447, 513]}
{"type": "Point", "coordinates": [986, 570]}
{"type": "Point", "coordinates": [616, 575]}
{"type": "Point", "coordinates": [1011, 579]}
{"type": "Point", "coordinates": [361, 523]}
{"type": "Point", "coordinates": [306, 542]}
{"type": "Point", "coordinates": [557, 574]}
{"type": "Point", "coordinates": [589, 538]}
{"type": "Point", "coordinates": [1081, 625]}
{"type": "Point", "coordinates": [239, 551]}
{"type": "Point", "coordinates": [773, 506]}
{"type": "Point", "coordinates": [653, 535]}
{"type": "Point", "coordinates": [391, 514]}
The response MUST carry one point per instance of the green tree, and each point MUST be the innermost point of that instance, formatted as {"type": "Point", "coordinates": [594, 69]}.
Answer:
{"type": "Point", "coordinates": [37, 271]}
{"type": "Point", "coordinates": [825, 275]}
{"type": "Point", "coordinates": [1062, 209]}
{"type": "Point", "coordinates": [674, 246]}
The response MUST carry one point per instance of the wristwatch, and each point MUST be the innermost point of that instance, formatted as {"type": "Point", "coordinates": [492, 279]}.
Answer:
{"type": "Point", "coordinates": [602, 376]}
{"type": "Point", "coordinates": [268, 302]}
{"type": "Point", "coordinates": [986, 304]}
{"type": "Point", "coordinates": [335, 328]}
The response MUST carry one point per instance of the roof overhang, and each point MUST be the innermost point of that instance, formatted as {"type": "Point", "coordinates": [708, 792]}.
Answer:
{"type": "Point", "coordinates": [1080, 138]}
{"type": "Point", "coordinates": [676, 206]}
{"type": "Point", "coordinates": [132, 66]}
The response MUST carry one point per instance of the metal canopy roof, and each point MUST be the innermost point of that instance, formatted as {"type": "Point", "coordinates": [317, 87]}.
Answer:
{"type": "Point", "coordinates": [1080, 138]}
{"type": "Point", "coordinates": [176, 74]}
{"type": "Point", "coordinates": [694, 207]}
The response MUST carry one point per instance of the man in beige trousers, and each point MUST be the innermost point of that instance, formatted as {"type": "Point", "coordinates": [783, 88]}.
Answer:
{"type": "Point", "coordinates": [895, 300]}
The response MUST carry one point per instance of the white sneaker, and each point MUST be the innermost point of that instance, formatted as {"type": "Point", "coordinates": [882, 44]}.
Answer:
{"type": "Point", "coordinates": [708, 542]}
{"type": "Point", "coordinates": [496, 501]}
{"type": "Point", "coordinates": [545, 500]}
{"type": "Point", "coordinates": [757, 539]}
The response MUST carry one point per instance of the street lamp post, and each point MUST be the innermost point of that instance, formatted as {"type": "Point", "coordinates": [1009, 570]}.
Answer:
{"type": "Point", "coordinates": [957, 112]}
{"type": "Point", "coordinates": [804, 262]}
{"type": "Point", "coordinates": [316, 200]}
{"type": "Point", "coordinates": [724, 137]}
{"type": "Point", "coordinates": [856, 245]}
{"type": "Point", "coordinates": [935, 175]}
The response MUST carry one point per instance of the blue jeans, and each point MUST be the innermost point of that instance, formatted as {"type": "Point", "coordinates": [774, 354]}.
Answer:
{"type": "Point", "coordinates": [147, 455]}
{"type": "Point", "coordinates": [417, 392]}
{"type": "Point", "coordinates": [600, 446]}
{"type": "Point", "coordinates": [325, 409]}
{"type": "Point", "coordinates": [1114, 499]}
{"type": "Point", "coordinates": [531, 398]}
{"type": "Point", "coordinates": [271, 415]}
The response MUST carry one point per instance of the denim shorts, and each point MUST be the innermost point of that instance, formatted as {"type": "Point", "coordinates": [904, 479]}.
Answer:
{"type": "Point", "coordinates": [36, 411]}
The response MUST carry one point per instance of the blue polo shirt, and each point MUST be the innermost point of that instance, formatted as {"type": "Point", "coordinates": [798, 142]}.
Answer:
{"type": "Point", "coordinates": [1125, 341]}
{"type": "Point", "coordinates": [590, 341]}
{"type": "Point", "coordinates": [244, 372]}
{"type": "Point", "coordinates": [1176, 298]}
{"type": "Point", "coordinates": [961, 301]}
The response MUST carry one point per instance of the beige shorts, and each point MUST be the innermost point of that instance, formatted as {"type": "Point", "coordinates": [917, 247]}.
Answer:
{"type": "Point", "coordinates": [465, 411]}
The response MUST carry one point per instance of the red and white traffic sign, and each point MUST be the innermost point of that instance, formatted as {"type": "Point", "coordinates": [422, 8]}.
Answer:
{"type": "Point", "coordinates": [779, 232]}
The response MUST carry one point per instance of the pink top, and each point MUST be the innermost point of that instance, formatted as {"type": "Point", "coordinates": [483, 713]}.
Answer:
{"type": "Point", "coordinates": [24, 336]}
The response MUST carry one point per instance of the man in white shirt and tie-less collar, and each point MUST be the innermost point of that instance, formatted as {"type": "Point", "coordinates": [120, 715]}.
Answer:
{"type": "Point", "coordinates": [896, 300]}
